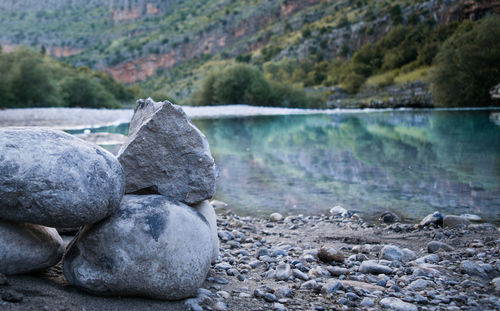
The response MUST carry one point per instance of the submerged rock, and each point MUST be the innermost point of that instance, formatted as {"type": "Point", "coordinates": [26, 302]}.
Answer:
{"type": "Point", "coordinates": [150, 247]}
{"type": "Point", "coordinates": [27, 247]}
{"type": "Point", "coordinates": [51, 178]}
{"type": "Point", "coordinates": [167, 154]}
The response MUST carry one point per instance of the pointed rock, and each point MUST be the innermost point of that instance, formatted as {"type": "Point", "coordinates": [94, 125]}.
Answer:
{"type": "Point", "coordinates": [166, 154]}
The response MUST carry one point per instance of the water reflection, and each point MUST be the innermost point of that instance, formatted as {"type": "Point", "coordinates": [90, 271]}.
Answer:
{"type": "Point", "coordinates": [406, 161]}
{"type": "Point", "coordinates": [410, 162]}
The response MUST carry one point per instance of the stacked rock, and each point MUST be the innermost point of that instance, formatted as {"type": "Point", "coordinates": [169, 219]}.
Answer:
{"type": "Point", "coordinates": [163, 237]}
{"type": "Point", "coordinates": [50, 178]}
{"type": "Point", "coordinates": [156, 241]}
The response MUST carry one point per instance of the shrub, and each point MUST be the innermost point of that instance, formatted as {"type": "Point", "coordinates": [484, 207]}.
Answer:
{"type": "Point", "coordinates": [246, 84]}
{"type": "Point", "coordinates": [467, 65]}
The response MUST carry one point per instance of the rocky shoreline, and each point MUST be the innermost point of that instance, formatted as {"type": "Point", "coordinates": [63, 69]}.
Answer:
{"type": "Point", "coordinates": [327, 262]}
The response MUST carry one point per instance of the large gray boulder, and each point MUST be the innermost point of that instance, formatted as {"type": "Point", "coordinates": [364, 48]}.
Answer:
{"type": "Point", "coordinates": [150, 247]}
{"type": "Point", "coordinates": [54, 179]}
{"type": "Point", "coordinates": [167, 154]}
{"type": "Point", "coordinates": [207, 210]}
{"type": "Point", "coordinates": [27, 247]}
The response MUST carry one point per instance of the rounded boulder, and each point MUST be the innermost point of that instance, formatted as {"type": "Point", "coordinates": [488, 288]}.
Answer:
{"type": "Point", "coordinates": [26, 247]}
{"type": "Point", "coordinates": [151, 247]}
{"type": "Point", "coordinates": [54, 179]}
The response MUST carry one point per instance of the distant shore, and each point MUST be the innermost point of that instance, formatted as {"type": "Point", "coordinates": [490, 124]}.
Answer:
{"type": "Point", "coordinates": [80, 118]}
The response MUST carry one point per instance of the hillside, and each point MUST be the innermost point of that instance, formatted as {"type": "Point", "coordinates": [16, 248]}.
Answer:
{"type": "Point", "coordinates": [167, 47]}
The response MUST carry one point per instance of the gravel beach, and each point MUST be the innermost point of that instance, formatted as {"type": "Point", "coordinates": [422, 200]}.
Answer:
{"type": "Point", "coordinates": [313, 263]}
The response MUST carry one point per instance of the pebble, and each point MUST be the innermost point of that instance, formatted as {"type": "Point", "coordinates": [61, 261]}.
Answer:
{"type": "Point", "coordinates": [331, 286]}
{"type": "Point", "coordinates": [300, 275]}
{"type": "Point", "coordinates": [3, 280]}
{"type": "Point", "coordinates": [367, 302]}
{"type": "Point", "coordinates": [388, 217]}
{"type": "Point", "coordinates": [435, 218]}
{"type": "Point", "coordinates": [283, 272]}
{"type": "Point", "coordinates": [397, 304]}
{"type": "Point", "coordinates": [275, 217]}
{"type": "Point", "coordinates": [12, 296]}
{"type": "Point", "coordinates": [309, 285]}
{"type": "Point", "coordinates": [223, 266]}
{"type": "Point", "coordinates": [496, 284]}
{"type": "Point", "coordinates": [371, 266]}
{"type": "Point", "coordinates": [278, 306]}
{"type": "Point", "coordinates": [329, 254]}
{"type": "Point", "coordinates": [453, 221]}
{"type": "Point", "coordinates": [269, 297]}
{"type": "Point", "coordinates": [418, 285]}
{"type": "Point", "coordinates": [337, 271]}
{"type": "Point", "coordinates": [471, 268]}
{"type": "Point", "coordinates": [391, 253]}
{"type": "Point", "coordinates": [220, 306]}
{"type": "Point", "coordinates": [435, 246]}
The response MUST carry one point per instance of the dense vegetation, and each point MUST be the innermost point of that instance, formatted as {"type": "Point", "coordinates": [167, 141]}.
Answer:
{"type": "Point", "coordinates": [468, 65]}
{"type": "Point", "coordinates": [174, 49]}
{"type": "Point", "coordinates": [32, 79]}
{"type": "Point", "coordinates": [246, 84]}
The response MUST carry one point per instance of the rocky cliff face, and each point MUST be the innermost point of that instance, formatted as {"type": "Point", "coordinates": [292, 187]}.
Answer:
{"type": "Point", "coordinates": [133, 39]}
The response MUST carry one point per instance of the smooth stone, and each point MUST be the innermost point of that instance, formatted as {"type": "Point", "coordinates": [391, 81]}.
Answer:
{"type": "Point", "coordinates": [269, 297]}
{"type": "Point", "coordinates": [3, 280]}
{"type": "Point", "coordinates": [12, 296]}
{"type": "Point", "coordinates": [471, 217]}
{"type": "Point", "coordinates": [206, 209]}
{"type": "Point", "coordinates": [331, 286]}
{"type": "Point", "coordinates": [300, 275]}
{"type": "Point", "coordinates": [496, 284]}
{"type": "Point", "coordinates": [275, 217]}
{"type": "Point", "coordinates": [54, 179]}
{"type": "Point", "coordinates": [166, 154]}
{"type": "Point", "coordinates": [26, 247]}
{"type": "Point", "coordinates": [283, 272]}
{"type": "Point", "coordinates": [338, 211]}
{"type": "Point", "coordinates": [151, 247]}
{"type": "Point", "coordinates": [408, 255]}
{"type": "Point", "coordinates": [312, 284]}
{"type": "Point", "coordinates": [337, 271]}
{"type": "Point", "coordinates": [329, 254]}
{"type": "Point", "coordinates": [391, 253]}
{"type": "Point", "coordinates": [367, 302]}
{"type": "Point", "coordinates": [435, 246]}
{"type": "Point", "coordinates": [371, 266]}
{"type": "Point", "coordinates": [453, 221]}
{"type": "Point", "coordinates": [397, 304]}
{"type": "Point", "coordinates": [220, 306]}
{"type": "Point", "coordinates": [218, 204]}
{"type": "Point", "coordinates": [471, 268]}
{"type": "Point", "coordinates": [389, 217]}
{"type": "Point", "coordinates": [435, 218]}
{"type": "Point", "coordinates": [418, 285]}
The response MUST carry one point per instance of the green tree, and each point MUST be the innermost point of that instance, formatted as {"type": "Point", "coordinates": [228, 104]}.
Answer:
{"type": "Point", "coordinates": [467, 65]}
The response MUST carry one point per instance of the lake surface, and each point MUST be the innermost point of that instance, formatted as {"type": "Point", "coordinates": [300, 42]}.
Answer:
{"type": "Point", "coordinates": [409, 162]}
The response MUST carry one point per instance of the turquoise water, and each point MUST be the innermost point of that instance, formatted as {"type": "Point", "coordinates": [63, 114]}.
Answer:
{"type": "Point", "coordinates": [409, 162]}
